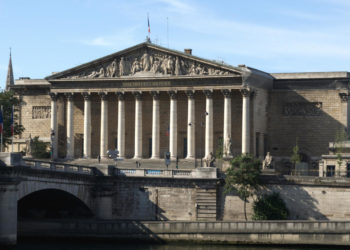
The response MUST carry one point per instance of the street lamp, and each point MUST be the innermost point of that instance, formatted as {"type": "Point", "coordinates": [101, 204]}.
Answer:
{"type": "Point", "coordinates": [52, 135]}
{"type": "Point", "coordinates": [202, 126]}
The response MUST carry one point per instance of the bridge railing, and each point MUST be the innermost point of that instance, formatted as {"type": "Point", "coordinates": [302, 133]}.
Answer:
{"type": "Point", "coordinates": [154, 173]}
{"type": "Point", "coordinates": [59, 167]}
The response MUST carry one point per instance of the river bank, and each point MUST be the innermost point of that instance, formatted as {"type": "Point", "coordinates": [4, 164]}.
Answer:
{"type": "Point", "coordinates": [246, 233]}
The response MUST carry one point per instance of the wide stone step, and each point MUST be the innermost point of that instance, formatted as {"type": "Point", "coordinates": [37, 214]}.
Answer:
{"type": "Point", "coordinates": [206, 195]}
{"type": "Point", "coordinates": [209, 206]}
{"type": "Point", "coordinates": [206, 202]}
{"type": "Point", "coordinates": [206, 215]}
{"type": "Point", "coordinates": [206, 211]}
{"type": "Point", "coordinates": [206, 192]}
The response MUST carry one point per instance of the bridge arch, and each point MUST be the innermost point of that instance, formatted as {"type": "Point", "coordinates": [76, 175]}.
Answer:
{"type": "Point", "coordinates": [81, 191]}
{"type": "Point", "coordinates": [52, 203]}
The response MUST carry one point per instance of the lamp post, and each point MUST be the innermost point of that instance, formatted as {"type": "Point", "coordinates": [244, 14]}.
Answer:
{"type": "Point", "coordinates": [202, 126]}
{"type": "Point", "coordinates": [52, 135]}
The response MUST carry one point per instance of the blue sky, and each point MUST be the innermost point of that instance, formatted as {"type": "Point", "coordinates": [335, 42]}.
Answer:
{"type": "Point", "coordinates": [270, 35]}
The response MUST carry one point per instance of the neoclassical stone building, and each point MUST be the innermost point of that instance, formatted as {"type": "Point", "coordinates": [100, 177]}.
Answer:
{"type": "Point", "coordinates": [147, 100]}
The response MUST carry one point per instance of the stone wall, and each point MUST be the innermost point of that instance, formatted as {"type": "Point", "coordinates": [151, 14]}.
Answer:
{"type": "Point", "coordinates": [35, 115]}
{"type": "Point", "coordinates": [252, 232]}
{"type": "Point", "coordinates": [157, 199]}
{"type": "Point", "coordinates": [305, 202]}
{"type": "Point", "coordinates": [313, 130]}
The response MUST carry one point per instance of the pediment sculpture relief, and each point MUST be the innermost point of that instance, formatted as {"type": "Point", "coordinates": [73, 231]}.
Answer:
{"type": "Point", "coordinates": [148, 63]}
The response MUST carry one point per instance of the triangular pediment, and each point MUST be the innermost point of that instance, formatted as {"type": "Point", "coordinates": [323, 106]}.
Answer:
{"type": "Point", "coordinates": [146, 60]}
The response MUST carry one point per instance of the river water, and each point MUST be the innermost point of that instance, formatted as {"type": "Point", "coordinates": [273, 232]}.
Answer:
{"type": "Point", "coordinates": [50, 245]}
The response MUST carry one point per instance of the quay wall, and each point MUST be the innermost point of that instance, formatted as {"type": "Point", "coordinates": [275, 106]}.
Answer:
{"type": "Point", "coordinates": [251, 232]}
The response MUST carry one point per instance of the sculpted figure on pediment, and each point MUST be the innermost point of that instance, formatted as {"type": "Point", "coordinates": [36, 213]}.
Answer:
{"type": "Point", "coordinates": [156, 66]}
{"type": "Point", "coordinates": [177, 67]}
{"type": "Point", "coordinates": [99, 74]}
{"type": "Point", "coordinates": [112, 69]}
{"type": "Point", "coordinates": [146, 61]}
{"type": "Point", "coordinates": [136, 67]}
{"type": "Point", "coordinates": [121, 66]}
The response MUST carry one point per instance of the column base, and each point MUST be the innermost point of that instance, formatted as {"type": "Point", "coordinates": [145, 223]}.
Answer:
{"type": "Point", "coordinates": [190, 158]}
{"type": "Point", "coordinates": [155, 158]}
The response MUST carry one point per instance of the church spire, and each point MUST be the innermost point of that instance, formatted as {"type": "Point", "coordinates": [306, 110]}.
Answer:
{"type": "Point", "coordinates": [10, 80]}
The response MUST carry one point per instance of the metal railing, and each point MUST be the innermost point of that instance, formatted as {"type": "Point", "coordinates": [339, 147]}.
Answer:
{"type": "Point", "coordinates": [153, 173]}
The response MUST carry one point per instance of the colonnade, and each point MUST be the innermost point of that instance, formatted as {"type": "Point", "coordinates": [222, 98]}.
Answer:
{"type": "Point", "coordinates": [173, 130]}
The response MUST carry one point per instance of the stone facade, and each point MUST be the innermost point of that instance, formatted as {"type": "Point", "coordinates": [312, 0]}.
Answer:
{"type": "Point", "coordinates": [267, 112]}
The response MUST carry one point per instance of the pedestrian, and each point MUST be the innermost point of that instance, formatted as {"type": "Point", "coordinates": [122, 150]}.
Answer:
{"type": "Point", "coordinates": [99, 158]}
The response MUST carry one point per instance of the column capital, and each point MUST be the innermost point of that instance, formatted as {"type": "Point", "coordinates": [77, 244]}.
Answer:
{"type": "Point", "coordinates": [120, 95]}
{"type": "Point", "coordinates": [53, 96]}
{"type": "Point", "coordinates": [190, 94]}
{"type": "Point", "coordinates": [172, 94]}
{"type": "Point", "coordinates": [103, 95]}
{"type": "Point", "coordinates": [246, 92]}
{"type": "Point", "coordinates": [227, 93]}
{"type": "Point", "coordinates": [87, 96]}
{"type": "Point", "coordinates": [137, 94]}
{"type": "Point", "coordinates": [208, 93]}
{"type": "Point", "coordinates": [155, 95]}
{"type": "Point", "coordinates": [344, 97]}
{"type": "Point", "coordinates": [69, 96]}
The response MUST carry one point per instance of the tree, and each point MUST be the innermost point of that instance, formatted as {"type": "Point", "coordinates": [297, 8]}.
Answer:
{"type": "Point", "coordinates": [340, 137]}
{"type": "Point", "coordinates": [219, 149]}
{"type": "Point", "coordinates": [270, 207]}
{"type": "Point", "coordinates": [295, 158]}
{"type": "Point", "coordinates": [40, 148]}
{"type": "Point", "coordinates": [243, 178]}
{"type": "Point", "coordinates": [7, 99]}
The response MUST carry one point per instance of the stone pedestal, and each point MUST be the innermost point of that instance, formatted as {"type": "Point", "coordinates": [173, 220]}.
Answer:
{"type": "Point", "coordinates": [104, 203]}
{"type": "Point", "coordinates": [8, 211]}
{"type": "Point", "coordinates": [205, 173]}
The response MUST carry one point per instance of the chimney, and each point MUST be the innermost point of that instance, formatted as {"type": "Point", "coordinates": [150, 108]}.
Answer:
{"type": "Point", "coordinates": [188, 51]}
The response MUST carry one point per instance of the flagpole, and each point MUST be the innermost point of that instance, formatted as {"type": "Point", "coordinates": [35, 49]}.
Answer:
{"type": "Point", "coordinates": [12, 128]}
{"type": "Point", "coordinates": [2, 130]}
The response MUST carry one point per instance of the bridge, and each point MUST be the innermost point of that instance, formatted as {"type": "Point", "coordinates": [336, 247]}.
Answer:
{"type": "Point", "coordinates": [44, 189]}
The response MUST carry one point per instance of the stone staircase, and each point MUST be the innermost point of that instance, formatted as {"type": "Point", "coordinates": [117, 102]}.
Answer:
{"type": "Point", "coordinates": [206, 204]}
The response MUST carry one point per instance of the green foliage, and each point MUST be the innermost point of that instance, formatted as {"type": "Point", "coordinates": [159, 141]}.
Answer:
{"type": "Point", "coordinates": [243, 177]}
{"type": "Point", "coordinates": [219, 149]}
{"type": "Point", "coordinates": [340, 137]}
{"type": "Point", "coordinates": [270, 207]}
{"type": "Point", "coordinates": [40, 148]}
{"type": "Point", "coordinates": [295, 158]}
{"type": "Point", "coordinates": [7, 99]}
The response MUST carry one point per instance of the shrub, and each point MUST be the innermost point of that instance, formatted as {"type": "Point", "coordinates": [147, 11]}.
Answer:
{"type": "Point", "coordinates": [39, 148]}
{"type": "Point", "coordinates": [270, 207]}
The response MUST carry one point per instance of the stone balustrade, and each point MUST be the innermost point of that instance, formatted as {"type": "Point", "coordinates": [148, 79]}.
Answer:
{"type": "Point", "coordinates": [206, 173]}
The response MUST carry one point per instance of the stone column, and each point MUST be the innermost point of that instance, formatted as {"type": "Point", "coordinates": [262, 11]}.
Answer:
{"type": "Point", "coordinates": [121, 124]}
{"type": "Point", "coordinates": [138, 125]}
{"type": "Point", "coordinates": [70, 128]}
{"type": "Point", "coordinates": [104, 125]}
{"type": "Point", "coordinates": [227, 138]}
{"type": "Point", "coordinates": [87, 125]}
{"type": "Point", "coordinates": [54, 130]}
{"type": "Point", "coordinates": [155, 125]}
{"type": "Point", "coordinates": [191, 125]}
{"type": "Point", "coordinates": [8, 212]}
{"type": "Point", "coordinates": [173, 125]}
{"type": "Point", "coordinates": [209, 126]}
{"type": "Point", "coordinates": [246, 92]}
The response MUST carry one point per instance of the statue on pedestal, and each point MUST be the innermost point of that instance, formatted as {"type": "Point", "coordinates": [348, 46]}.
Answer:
{"type": "Point", "coordinates": [210, 160]}
{"type": "Point", "coordinates": [228, 147]}
{"type": "Point", "coordinates": [267, 163]}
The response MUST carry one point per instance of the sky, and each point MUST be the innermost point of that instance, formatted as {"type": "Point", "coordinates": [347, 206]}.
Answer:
{"type": "Point", "coordinates": [271, 35]}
